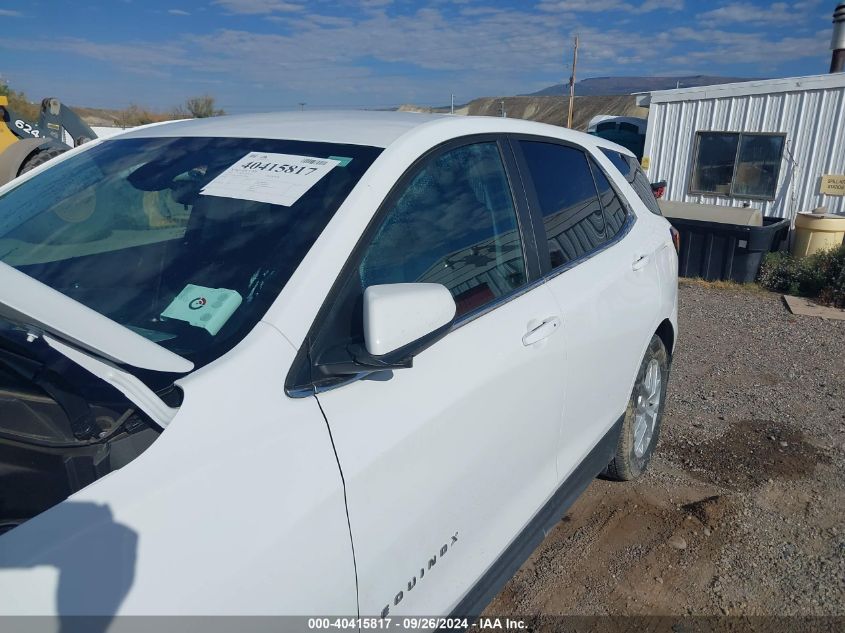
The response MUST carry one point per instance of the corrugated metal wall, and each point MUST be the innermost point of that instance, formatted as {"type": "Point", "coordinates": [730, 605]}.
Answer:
{"type": "Point", "coordinates": [814, 124]}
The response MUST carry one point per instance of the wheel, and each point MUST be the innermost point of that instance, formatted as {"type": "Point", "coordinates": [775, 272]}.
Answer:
{"type": "Point", "coordinates": [641, 425]}
{"type": "Point", "coordinates": [39, 158]}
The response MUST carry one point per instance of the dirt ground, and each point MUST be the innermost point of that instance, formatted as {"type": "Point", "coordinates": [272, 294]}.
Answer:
{"type": "Point", "coordinates": [742, 511]}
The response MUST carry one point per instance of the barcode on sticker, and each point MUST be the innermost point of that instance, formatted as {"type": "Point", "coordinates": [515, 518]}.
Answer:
{"type": "Point", "coordinates": [314, 161]}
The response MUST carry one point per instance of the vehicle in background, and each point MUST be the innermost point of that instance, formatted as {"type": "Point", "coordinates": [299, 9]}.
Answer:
{"type": "Point", "coordinates": [623, 130]}
{"type": "Point", "coordinates": [388, 349]}
{"type": "Point", "coordinates": [26, 144]}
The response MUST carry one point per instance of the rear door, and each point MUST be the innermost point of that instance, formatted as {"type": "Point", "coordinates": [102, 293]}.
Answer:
{"type": "Point", "coordinates": [445, 462]}
{"type": "Point", "coordinates": [598, 264]}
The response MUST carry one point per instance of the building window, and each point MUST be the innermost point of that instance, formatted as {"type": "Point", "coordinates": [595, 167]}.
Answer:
{"type": "Point", "coordinates": [736, 164]}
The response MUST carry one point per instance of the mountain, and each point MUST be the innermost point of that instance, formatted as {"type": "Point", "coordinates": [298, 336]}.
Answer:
{"type": "Point", "coordinates": [627, 85]}
{"type": "Point", "coordinates": [545, 109]}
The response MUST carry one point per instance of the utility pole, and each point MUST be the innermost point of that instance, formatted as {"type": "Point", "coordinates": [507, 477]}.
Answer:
{"type": "Point", "coordinates": [301, 106]}
{"type": "Point", "coordinates": [504, 114]}
{"type": "Point", "coordinates": [452, 109]}
{"type": "Point", "coordinates": [572, 85]}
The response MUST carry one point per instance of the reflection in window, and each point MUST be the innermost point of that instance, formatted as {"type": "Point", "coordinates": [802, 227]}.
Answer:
{"type": "Point", "coordinates": [714, 164]}
{"type": "Point", "coordinates": [614, 212]}
{"type": "Point", "coordinates": [629, 167]}
{"type": "Point", "coordinates": [124, 229]}
{"type": "Point", "coordinates": [758, 165]}
{"type": "Point", "coordinates": [737, 164]}
{"type": "Point", "coordinates": [454, 225]}
{"type": "Point", "coordinates": [572, 214]}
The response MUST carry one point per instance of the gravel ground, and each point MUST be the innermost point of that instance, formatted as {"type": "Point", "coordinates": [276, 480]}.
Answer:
{"type": "Point", "coordinates": [742, 511]}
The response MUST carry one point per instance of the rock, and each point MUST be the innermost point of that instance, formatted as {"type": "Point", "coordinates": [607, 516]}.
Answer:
{"type": "Point", "coordinates": [706, 531]}
{"type": "Point", "coordinates": [678, 542]}
{"type": "Point", "coordinates": [784, 444]}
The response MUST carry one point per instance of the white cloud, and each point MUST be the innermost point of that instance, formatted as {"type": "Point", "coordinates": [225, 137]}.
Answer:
{"type": "Point", "coordinates": [321, 58]}
{"type": "Point", "coordinates": [600, 6]}
{"type": "Point", "coordinates": [729, 47]}
{"type": "Point", "coordinates": [9, 13]}
{"type": "Point", "coordinates": [806, 4]}
{"type": "Point", "coordinates": [746, 14]}
{"type": "Point", "coordinates": [258, 7]}
{"type": "Point", "coordinates": [137, 57]}
{"type": "Point", "coordinates": [177, 12]}
{"type": "Point", "coordinates": [660, 5]}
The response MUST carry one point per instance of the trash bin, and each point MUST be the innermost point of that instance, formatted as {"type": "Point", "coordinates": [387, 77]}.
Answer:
{"type": "Point", "coordinates": [817, 232]}
{"type": "Point", "coordinates": [719, 251]}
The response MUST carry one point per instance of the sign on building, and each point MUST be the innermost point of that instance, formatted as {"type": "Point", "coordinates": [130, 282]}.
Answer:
{"type": "Point", "coordinates": [833, 185]}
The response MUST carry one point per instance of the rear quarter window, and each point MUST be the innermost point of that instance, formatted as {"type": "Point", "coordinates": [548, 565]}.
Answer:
{"type": "Point", "coordinates": [630, 169]}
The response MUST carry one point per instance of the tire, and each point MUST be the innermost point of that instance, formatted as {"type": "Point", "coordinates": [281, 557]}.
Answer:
{"type": "Point", "coordinates": [644, 413]}
{"type": "Point", "coordinates": [39, 158]}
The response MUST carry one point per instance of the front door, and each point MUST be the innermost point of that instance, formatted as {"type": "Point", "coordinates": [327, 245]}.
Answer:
{"type": "Point", "coordinates": [446, 461]}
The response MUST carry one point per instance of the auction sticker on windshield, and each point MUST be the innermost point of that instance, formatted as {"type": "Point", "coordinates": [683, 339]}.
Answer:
{"type": "Point", "coordinates": [271, 178]}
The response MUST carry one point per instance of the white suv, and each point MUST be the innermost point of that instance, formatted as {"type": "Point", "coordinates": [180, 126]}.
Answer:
{"type": "Point", "coordinates": [319, 363]}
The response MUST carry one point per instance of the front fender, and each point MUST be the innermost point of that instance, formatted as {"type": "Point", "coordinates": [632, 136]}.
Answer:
{"type": "Point", "coordinates": [222, 515]}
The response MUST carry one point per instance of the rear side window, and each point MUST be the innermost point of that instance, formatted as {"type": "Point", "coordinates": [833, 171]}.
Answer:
{"type": "Point", "coordinates": [454, 224]}
{"type": "Point", "coordinates": [568, 200]}
{"type": "Point", "coordinates": [630, 169]}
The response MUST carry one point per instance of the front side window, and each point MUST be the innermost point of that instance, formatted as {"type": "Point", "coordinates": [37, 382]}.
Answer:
{"type": "Point", "coordinates": [454, 224]}
{"type": "Point", "coordinates": [568, 200]}
{"type": "Point", "coordinates": [127, 229]}
{"type": "Point", "coordinates": [735, 164]}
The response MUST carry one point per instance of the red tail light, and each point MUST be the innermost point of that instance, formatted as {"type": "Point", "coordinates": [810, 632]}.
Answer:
{"type": "Point", "coordinates": [676, 239]}
{"type": "Point", "coordinates": [658, 189]}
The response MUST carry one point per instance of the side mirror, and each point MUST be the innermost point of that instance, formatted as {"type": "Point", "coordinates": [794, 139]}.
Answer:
{"type": "Point", "coordinates": [396, 315]}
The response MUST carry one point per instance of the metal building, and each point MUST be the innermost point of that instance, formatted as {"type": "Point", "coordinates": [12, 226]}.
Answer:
{"type": "Point", "coordinates": [774, 144]}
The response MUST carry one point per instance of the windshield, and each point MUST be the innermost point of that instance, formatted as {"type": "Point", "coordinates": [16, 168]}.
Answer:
{"type": "Point", "coordinates": [144, 232]}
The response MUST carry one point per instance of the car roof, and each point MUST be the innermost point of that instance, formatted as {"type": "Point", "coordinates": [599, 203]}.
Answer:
{"type": "Point", "coordinates": [357, 127]}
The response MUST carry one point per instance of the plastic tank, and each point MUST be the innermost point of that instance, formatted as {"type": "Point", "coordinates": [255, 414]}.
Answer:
{"type": "Point", "coordinates": [817, 232]}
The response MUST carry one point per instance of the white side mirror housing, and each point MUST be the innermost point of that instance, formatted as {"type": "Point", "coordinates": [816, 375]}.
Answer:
{"type": "Point", "coordinates": [396, 315]}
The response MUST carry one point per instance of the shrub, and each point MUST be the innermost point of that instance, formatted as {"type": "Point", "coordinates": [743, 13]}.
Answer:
{"type": "Point", "coordinates": [19, 103]}
{"type": "Point", "coordinates": [200, 107]}
{"type": "Point", "coordinates": [779, 273]}
{"type": "Point", "coordinates": [821, 275]}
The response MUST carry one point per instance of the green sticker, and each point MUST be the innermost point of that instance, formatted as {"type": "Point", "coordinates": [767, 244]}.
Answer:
{"type": "Point", "coordinates": [344, 160]}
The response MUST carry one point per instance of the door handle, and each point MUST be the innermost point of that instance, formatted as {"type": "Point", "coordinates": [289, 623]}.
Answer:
{"type": "Point", "coordinates": [640, 262]}
{"type": "Point", "coordinates": [544, 330]}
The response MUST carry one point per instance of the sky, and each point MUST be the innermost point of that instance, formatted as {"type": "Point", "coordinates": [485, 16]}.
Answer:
{"type": "Point", "coordinates": [260, 55]}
